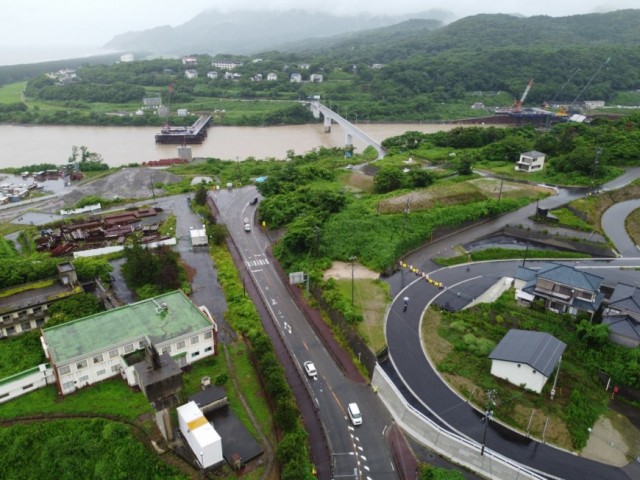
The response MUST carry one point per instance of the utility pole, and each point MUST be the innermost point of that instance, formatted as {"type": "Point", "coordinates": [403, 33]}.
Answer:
{"type": "Point", "coordinates": [352, 259]}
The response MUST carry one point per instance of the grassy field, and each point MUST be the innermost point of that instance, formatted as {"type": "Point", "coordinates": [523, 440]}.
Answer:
{"type": "Point", "coordinates": [12, 93]}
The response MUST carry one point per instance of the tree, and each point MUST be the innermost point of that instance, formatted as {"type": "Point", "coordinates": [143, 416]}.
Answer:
{"type": "Point", "coordinates": [201, 194]}
{"type": "Point", "coordinates": [429, 472]}
{"type": "Point", "coordinates": [388, 179]}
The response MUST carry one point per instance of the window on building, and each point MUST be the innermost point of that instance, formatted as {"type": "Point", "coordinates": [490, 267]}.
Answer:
{"type": "Point", "coordinates": [181, 344]}
{"type": "Point", "coordinates": [11, 330]}
{"type": "Point", "coordinates": [128, 348]}
{"type": "Point", "coordinates": [195, 354]}
{"type": "Point", "coordinates": [208, 349]}
{"type": "Point", "coordinates": [115, 368]}
{"type": "Point", "coordinates": [39, 322]}
{"type": "Point", "coordinates": [2, 395]}
{"type": "Point", "coordinates": [6, 318]}
{"type": "Point", "coordinates": [194, 340]}
{"type": "Point", "coordinates": [37, 309]}
{"type": "Point", "coordinates": [27, 387]}
{"type": "Point", "coordinates": [113, 353]}
{"type": "Point", "coordinates": [166, 349]}
{"type": "Point", "coordinates": [26, 326]}
{"type": "Point", "coordinates": [67, 385]}
{"type": "Point", "coordinates": [584, 295]}
{"type": "Point", "coordinates": [64, 370]}
{"type": "Point", "coordinates": [208, 334]}
{"type": "Point", "coordinates": [101, 372]}
{"type": "Point", "coordinates": [22, 313]}
{"type": "Point", "coordinates": [83, 379]}
{"type": "Point", "coordinates": [97, 358]}
{"type": "Point", "coordinates": [81, 364]}
{"type": "Point", "coordinates": [142, 344]}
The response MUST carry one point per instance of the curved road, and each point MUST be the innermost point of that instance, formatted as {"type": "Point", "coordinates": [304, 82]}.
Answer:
{"type": "Point", "coordinates": [613, 223]}
{"type": "Point", "coordinates": [429, 393]}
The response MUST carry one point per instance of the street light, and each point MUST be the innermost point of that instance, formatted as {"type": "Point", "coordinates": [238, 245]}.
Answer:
{"type": "Point", "coordinates": [352, 259]}
{"type": "Point", "coordinates": [487, 416]}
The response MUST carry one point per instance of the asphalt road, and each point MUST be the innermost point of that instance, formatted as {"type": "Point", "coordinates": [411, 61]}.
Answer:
{"type": "Point", "coordinates": [360, 450]}
{"type": "Point", "coordinates": [613, 222]}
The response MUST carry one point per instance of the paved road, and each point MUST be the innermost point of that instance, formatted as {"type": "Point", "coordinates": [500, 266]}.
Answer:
{"type": "Point", "coordinates": [362, 448]}
{"type": "Point", "coordinates": [426, 391]}
{"type": "Point", "coordinates": [613, 223]}
{"type": "Point", "coordinates": [433, 396]}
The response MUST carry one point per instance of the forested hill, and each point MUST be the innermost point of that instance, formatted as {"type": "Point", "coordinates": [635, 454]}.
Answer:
{"type": "Point", "coordinates": [399, 41]}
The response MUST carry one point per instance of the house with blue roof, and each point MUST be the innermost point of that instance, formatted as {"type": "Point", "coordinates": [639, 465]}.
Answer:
{"type": "Point", "coordinates": [562, 288]}
{"type": "Point", "coordinates": [622, 315]}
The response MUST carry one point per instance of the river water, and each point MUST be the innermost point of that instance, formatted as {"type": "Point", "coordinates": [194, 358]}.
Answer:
{"type": "Point", "coordinates": [28, 145]}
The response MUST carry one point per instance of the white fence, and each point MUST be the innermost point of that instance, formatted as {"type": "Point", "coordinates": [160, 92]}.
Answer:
{"type": "Point", "coordinates": [105, 250]}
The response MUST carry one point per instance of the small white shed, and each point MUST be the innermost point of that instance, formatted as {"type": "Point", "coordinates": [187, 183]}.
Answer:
{"type": "Point", "coordinates": [198, 237]}
{"type": "Point", "coordinates": [205, 442]}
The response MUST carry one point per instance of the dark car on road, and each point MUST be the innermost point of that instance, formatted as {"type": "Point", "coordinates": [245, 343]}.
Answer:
{"type": "Point", "coordinates": [254, 201]}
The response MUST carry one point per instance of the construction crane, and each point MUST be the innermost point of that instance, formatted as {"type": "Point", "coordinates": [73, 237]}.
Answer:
{"type": "Point", "coordinates": [517, 105]}
{"type": "Point", "coordinates": [575, 100]}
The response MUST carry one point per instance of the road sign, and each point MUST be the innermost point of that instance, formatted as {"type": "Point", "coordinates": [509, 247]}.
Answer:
{"type": "Point", "coordinates": [296, 277]}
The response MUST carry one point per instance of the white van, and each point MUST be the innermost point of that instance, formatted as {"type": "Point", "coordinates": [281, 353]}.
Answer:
{"type": "Point", "coordinates": [354, 414]}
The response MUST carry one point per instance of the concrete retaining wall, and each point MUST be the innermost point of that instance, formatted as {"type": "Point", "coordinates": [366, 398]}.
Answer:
{"type": "Point", "coordinates": [457, 449]}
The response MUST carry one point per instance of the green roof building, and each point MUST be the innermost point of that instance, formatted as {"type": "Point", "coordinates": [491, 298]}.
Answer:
{"type": "Point", "coordinates": [91, 349]}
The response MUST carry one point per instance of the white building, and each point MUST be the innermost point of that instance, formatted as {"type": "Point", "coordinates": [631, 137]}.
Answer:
{"type": "Point", "coordinates": [189, 61]}
{"type": "Point", "coordinates": [526, 359]}
{"type": "Point", "coordinates": [212, 74]}
{"type": "Point", "coordinates": [532, 161]}
{"type": "Point", "coordinates": [126, 58]}
{"type": "Point", "coordinates": [226, 65]}
{"type": "Point", "coordinates": [295, 78]}
{"type": "Point", "coordinates": [94, 348]}
{"type": "Point", "coordinates": [272, 77]}
{"type": "Point", "coordinates": [315, 78]}
{"type": "Point", "coordinates": [191, 73]}
{"type": "Point", "coordinates": [205, 442]}
{"type": "Point", "coordinates": [182, 112]}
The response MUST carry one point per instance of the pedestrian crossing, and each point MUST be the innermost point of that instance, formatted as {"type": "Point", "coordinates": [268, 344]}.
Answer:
{"type": "Point", "coordinates": [256, 263]}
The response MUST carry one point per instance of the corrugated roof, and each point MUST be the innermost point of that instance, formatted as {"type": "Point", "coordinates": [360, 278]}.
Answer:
{"type": "Point", "coordinates": [539, 350]}
{"type": "Point", "coordinates": [126, 324]}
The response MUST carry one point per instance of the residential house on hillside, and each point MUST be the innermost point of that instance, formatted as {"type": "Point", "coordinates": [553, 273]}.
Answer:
{"type": "Point", "coordinates": [525, 358]}
{"type": "Point", "coordinates": [192, 61]}
{"type": "Point", "coordinates": [272, 77]}
{"type": "Point", "coordinates": [622, 315]}
{"type": "Point", "coordinates": [304, 66]}
{"type": "Point", "coordinates": [563, 289]}
{"type": "Point", "coordinates": [27, 307]}
{"type": "Point", "coordinates": [226, 65]}
{"type": "Point", "coordinates": [213, 74]}
{"type": "Point", "coordinates": [315, 78]}
{"type": "Point", "coordinates": [532, 161]}
{"type": "Point", "coordinates": [94, 348]}
{"type": "Point", "coordinates": [295, 78]}
{"type": "Point", "coordinates": [191, 73]}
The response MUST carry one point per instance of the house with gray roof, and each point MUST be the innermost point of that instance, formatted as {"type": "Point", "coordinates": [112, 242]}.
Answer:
{"type": "Point", "coordinates": [562, 288]}
{"type": "Point", "coordinates": [622, 315]}
{"type": "Point", "coordinates": [526, 358]}
{"type": "Point", "coordinates": [532, 161]}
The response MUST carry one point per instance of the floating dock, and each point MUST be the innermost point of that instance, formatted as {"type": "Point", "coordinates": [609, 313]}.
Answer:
{"type": "Point", "coordinates": [193, 135]}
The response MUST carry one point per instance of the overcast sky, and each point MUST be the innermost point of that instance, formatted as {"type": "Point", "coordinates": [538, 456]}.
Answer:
{"type": "Point", "coordinates": [95, 22]}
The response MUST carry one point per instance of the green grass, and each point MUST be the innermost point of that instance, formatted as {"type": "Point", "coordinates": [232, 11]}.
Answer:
{"type": "Point", "coordinates": [505, 254]}
{"type": "Point", "coordinates": [568, 219]}
{"type": "Point", "coordinates": [12, 93]}
{"type": "Point", "coordinates": [111, 397]}
{"type": "Point", "coordinates": [20, 353]}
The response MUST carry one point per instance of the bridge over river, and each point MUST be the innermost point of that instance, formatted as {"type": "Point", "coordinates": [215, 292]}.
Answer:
{"type": "Point", "coordinates": [349, 128]}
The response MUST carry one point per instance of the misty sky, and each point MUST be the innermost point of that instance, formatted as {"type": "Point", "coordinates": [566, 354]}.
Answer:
{"type": "Point", "coordinates": [95, 22]}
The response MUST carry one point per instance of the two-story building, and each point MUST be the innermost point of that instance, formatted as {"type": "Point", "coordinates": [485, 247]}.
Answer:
{"type": "Point", "coordinates": [563, 289]}
{"type": "Point", "coordinates": [532, 161]}
{"type": "Point", "coordinates": [622, 315]}
{"type": "Point", "coordinates": [295, 77]}
{"type": "Point", "coordinates": [191, 73]}
{"type": "Point", "coordinates": [94, 348]}
{"type": "Point", "coordinates": [26, 307]}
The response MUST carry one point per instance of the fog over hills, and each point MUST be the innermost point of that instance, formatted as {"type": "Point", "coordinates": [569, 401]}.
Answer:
{"type": "Point", "coordinates": [213, 32]}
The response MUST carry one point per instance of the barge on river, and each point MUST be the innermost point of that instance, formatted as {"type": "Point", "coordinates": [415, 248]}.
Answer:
{"type": "Point", "coordinates": [193, 135]}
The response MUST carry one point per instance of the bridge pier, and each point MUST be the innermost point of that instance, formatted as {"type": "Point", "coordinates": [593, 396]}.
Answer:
{"type": "Point", "coordinates": [348, 139]}
{"type": "Point", "coordinates": [327, 124]}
